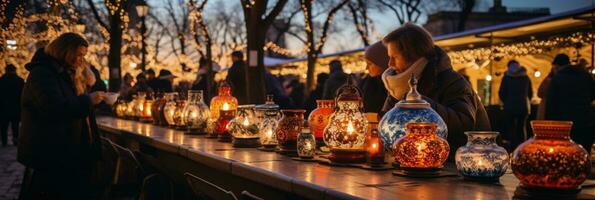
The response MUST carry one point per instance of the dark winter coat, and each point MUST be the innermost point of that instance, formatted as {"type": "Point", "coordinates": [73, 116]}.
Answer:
{"type": "Point", "coordinates": [373, 92]}
{"type": "Point", "coordinates": [58, 129]}
{"type": "Point", "coordinates": [452, 97]}
{"type": "Point", "coordinates": [11, 86]}
{"type": "Point", "coordinates": [237, 79]}
{"type": "Point", "coordinates": [570, 94]}
{"type": "Point", "coordinates": [516, 92]}
{"type": "Point", "coordinates": [335, 80]}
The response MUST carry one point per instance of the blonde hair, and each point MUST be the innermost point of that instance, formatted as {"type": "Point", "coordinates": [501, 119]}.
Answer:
{"type": "Point", "coordinates": [64, 49]}
{"type": "Point", "coordinates": [411, 40]}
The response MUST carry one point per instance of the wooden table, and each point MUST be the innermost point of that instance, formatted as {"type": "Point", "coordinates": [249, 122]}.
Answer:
{"type": "Point", "coordinates": [274, 176]}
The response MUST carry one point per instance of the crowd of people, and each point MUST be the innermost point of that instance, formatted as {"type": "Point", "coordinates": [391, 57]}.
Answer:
{"type": "Point", "coordinates": [59, 143]}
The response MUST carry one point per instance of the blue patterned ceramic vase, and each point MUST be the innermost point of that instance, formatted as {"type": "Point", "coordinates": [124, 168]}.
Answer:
{"type": "Point", "coordinates": [481, 158]}
{"type": "Point", "coordinates": [412, 109]}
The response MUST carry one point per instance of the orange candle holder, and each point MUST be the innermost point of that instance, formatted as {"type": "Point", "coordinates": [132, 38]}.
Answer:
{"type": "Point", "coordinates": [421, 148]}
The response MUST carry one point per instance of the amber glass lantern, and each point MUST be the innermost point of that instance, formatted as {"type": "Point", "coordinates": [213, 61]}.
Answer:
{"type": "Point", "coordinates": [244, 127]}
{"type": "Point", "coordinates": [156, 108]}
{"type": "Point", "coordinates": [551, 160]}
{"type": "Point", "coordinates": [169, 109]}
{"type": "Point", "coordinates": [373, 145]}
{"type": "Point", "coordinates": [179, 122]}
{"type": "Point", "coordinates": [288, 129]}
{"type": "Point", "coordinates": [139, 105]}
{"type": "Point", "coordinates": [146, 114]}
{"type": "Point", "coordinates": [196, 113]}
{"type": "Point", "coordinates": [421, 148]}
{"type": "Point", "coordinates": [345, 133]}
{"type": "Point", "coordinates": [226, 114]}
{"type": "Point", "coordinates": [319, 117]}
{"type": "Point", "coordinates": [120, 108]}
{"type": "Point", "coordinates": [223, 96]}
{"type": "Point", "coordinates": [129, 114]}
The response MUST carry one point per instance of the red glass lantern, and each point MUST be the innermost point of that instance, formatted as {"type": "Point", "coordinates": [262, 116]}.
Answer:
{"type": "Point", "coordinates": [319, 117]}
{"type": "Point", "coordinates": [550, 159]}
{"type": "Point", "coordinates": [223, 96]}
{"type": "Point", "coordinates": [146, 114]}
{"type": "Point", "coordinates": [288, 129]}
{"type": "Point", "coordinates": [373, 145]}
{"type": "Point", "coordinates": [421, 148]}
{"type": "Point", "coordinates": [226, 115]}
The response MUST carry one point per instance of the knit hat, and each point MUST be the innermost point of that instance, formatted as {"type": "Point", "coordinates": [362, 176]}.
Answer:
{"type": "Point", "coordinates": [377, 54]}
{"type": "Point", "coordinates": [561, 59]}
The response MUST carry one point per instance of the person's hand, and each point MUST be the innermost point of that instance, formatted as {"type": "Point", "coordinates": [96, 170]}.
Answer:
{"type": "Point", "coordinates": [97, 97]}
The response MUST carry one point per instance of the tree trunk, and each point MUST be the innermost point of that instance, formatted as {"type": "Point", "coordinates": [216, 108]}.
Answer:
{"type": "Point", "coordinates": [255, 84]}
{"type": "Point", "coordinates": [115, 50]}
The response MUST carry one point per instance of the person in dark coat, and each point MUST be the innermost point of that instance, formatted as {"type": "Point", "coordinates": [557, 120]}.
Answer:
{"type": "Point", "coordinates": [141, 85]}
{"type": "Point", "coordinates": [201, 81]}
{"type": "Point", "coordinates": [99, 85]}
{"type": "Point", "coordinates": [296, 93]}
{"type": "Point", "coordinates": [59, 141]}
{"type": "Point", "coordinates": [11, 86]}
{"type": "Point", "coordinates": [152, 79]}
{"type": "Point", "coordinates": [412, 52]}
{"type": "Point", "coordinates": [570, 96]}
{"type": "Point", "coordinates": [371, 85]}
{"type": "Point", "coordinates": [516, 92]}
{"type": "Point", "coordinates": [316, 94]}
{"type": "Point", "coordinates": [336, 79]}
{"type": "Point", "coordinates": [164, 82]}
{"type": "Point", "coordinates": [236, 77]}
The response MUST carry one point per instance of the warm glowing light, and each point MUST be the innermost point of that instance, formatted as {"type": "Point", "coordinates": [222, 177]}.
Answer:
{"type": "Point", "coordinates": [374, 146]}
{"type": "Point", "coordinates": [269, 133]}
{"type": "Point", "coordinates": [489, 77]}
{"type": "Point", "coordinates": [537, 74]}
{"type": "Point", "coordinates": [350, 128]}
{"type": "Point", "coordinates": [171, 113]}
{"type": "Point", "coordinates": [593, 71]}
{"type": "Point", "coordinates": [308, 146]}
{"type": "Point", "coordinates": [246, 122]}
{"type": "Point", "coordinates": [133, 65]}
{"type": "Point", "coordinates": [225, 106]}
{"type": "Point", "coordinates": [551, 150]}
{"type": "Point", "coordinates": [480, 163]}
{"type": "Point", "coordinates": [194, 115]}
{"type": "Point", "coordinates": [421, 146]}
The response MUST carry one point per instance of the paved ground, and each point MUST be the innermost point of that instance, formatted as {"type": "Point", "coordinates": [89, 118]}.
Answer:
{"type": "Point", "coordinates": [11, 172]}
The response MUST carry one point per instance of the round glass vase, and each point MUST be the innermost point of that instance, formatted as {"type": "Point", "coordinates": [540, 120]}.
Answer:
{"type": "Point", "coordinates": [169, 109]}
{"type": "Point", "coordinates": [306, 144]}
{"type": "Point", "coordinates": [196, 113]}
{"type": "Point", "coordinates": [421, 148]}
{"type": "Point", "coordinates": [244, 127]}
{"type": "Point", "coordinates": [413, 108]}
{"type": "Point", "coordinates": [481, 158]}
{"type": "Point", "coordinates": [287, 130]}
{"type": "Point", "coordinates": [319, 117]}
{"type": "Point", "coordinates": [550, 159]}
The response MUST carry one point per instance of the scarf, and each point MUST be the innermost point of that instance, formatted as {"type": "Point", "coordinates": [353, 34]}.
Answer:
{"type": "Point", "coordinates": [397, 84]}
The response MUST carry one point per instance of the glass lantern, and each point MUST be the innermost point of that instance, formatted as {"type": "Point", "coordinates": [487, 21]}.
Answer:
{"type": "Point", "coordinates": [421, 148]}
{"type": "Point", "coordinates": [306, 144]}
{"type": "Point", "coordinates": [262, 109]}
{"type": "Point", "coordinates": [120, 108]}
{"type": "Point", "coordinates": [268, 115]}
{"type": "Point", "coordinates": [226, 114]}
{"type": "Point", "coordinates": [412, 109]}
{"type": "Point", "coordinates": [129, 114]}
{"type": "Point", "coordinates": [169, 109]}
{"type": "Point", "coordinates": [156, 108]}
{"type": "Point", "coordinates": [373, 145]}
{"type": "Point", "coordinates": [481, 158]}
{"type": "Point", "coordinates": [551, 160]}
{"type": "Point", "coordinates": [139, 105]}
{"type": "Point", "coordinates": [146, 114]}
{"type": "Point", "coordinates": [223, 96]}
{"type": "Point", "coordinates": [196, 113]}
{"type": "Point", "coordinates": [179, 120]}
{"type": "Point", "coordinates": [345, 133]}
{"type": "Point", "coordinates": [244, 127]}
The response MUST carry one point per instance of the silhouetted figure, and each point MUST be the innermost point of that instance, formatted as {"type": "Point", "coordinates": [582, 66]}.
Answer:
{"type": "Point", "coordinates": [316, 94]}
{"type": "Point", "coordinates": [371, 85]}
{"type": "Point", "coordinates": [336, 79]}
{"type": "Point", "coordinates": [516, 92]}
{"type": "Point", "coordinates": [11, 86]}
{"type": "Point", "coordinates": [164, 81]}
{"type": "Point", "coordinates": [236, 77]}
{"type": "Point", "coordinates": [99, 85]}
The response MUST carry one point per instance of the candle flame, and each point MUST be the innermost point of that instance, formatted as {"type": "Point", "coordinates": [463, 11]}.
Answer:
{"type": "Point", "coordinates": [350, 128]}
{"type": "Point", "coordinates": [246, 122]}
{"type": "Point", "coordinates": [225, 106]}
{"type": "Point", "coordinates": [374, 146]}
{"type": "Point", "coordinates": [269, 133]}
{"type": "Point", "coordinates": [551, 150]}
{"type": "Point", "coordinates": [194, 115]}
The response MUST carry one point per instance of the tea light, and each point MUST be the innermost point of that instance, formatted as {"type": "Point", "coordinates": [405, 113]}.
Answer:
{"type": "Point", "coordinates": [225, 116]}
{"type": "Point", "coordinates": [146, 115]}
{"type": "Point", "coordinates": [374, 145]}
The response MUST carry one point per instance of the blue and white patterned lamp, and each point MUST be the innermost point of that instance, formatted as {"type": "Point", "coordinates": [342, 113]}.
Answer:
{"type": "Point", "coordinates": [412, 109]}
{"type": "Point", "coordinates": [481, 158]}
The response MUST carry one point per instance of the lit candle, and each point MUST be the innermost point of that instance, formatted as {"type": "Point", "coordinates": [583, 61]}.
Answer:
{"type": "Point", "coordinates": [225, 106]}
{"type": "Point", "coordinates": [308, 146]}
{"type": "Point", "coordinates": [350, 128]}
{"type": "Point", "coordinates": [194, 115]}
{"type": "Point", "coordinates": [246, 122]}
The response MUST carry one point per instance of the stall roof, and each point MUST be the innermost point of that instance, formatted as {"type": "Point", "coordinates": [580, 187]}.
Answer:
{"type": "Point", "coordinates": [551, 24]}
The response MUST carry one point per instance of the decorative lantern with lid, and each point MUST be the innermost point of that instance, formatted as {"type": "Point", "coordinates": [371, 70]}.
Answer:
{"type": "Point", "coordinates": [269, 116]}
{"type": "Point", "coordinates": [226, 114]}
{"type": "Point", "coordinates": [412, 109]}
{"type": "Point", "coordinates": [421, 148]}
{"type": "Point", "coordinates": [551, 160]}
{"type": "Point", "coordinates": [196, 113]}
{"type": "Point", "coordinates": [223, 96]}
{"type": "Point", "coordinates": [319, 117]}
{"type": "Point", "coordinates": [345, 133]}
{"type": "Point", "coordinates": [244, 127]}
{"type": "Point", "coordinates": [270, 107]}
{"type": "Point", "coordinates": [169, 109]}
{"type": "Point", "coordinates": [481, 158]}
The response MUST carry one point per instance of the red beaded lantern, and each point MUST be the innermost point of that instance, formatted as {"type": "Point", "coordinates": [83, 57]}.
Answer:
{"type": "Point", "coordinates": [421, 148]}
{"type": "Point", "coordinates": [551, 159]}
{"type": "Point", "coordinates": [319, 117]}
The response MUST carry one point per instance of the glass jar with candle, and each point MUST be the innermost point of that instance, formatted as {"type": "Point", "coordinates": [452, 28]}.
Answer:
{"type": "Point", "coordinates": [179, 114]}
{"type": "Point", "coordinates": [306, 144]}
{"type": "Point", "coordinates": [169, 109]}
{"type": "Point", "coordinates": [287, 130]}
{"type": "Point", "coordinates": [120, 108]}
{"type": "Point", "coordinates": [130, 107]}
{"type": "Point", "coordinates": [267, 128]}
{"type": "Point", "coordinates": [373, 145]}
{"type": "Point", "coordinates": [319, 117]}
{"type": "Point", "coordinates": [226, 114]}
{"type": "Point", "coordinates": [196, 113]}
{"type": "Point", "coordinates": [223, 96]}
{"type": "Point", "coordinates": [156, 108]}
{"type": "Point", "coordinates": [139, 105]}
{"type": "Point", "coordinates": [262, 109]}
{"type": "Point", "coordinates": [146, 114]}
{"type": "Point", "coordinates": [345, 133]}
{"type": "Point", "coordinates": [421, 148]}
{"type": "Point", "coordinates": [551, 160]}
{"type": "Point", "coordinates": [412, 109]}
{"type": "Point", "coordinates": [244, 127]}
{"type": "Point", "coordinates": [481, 158]}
